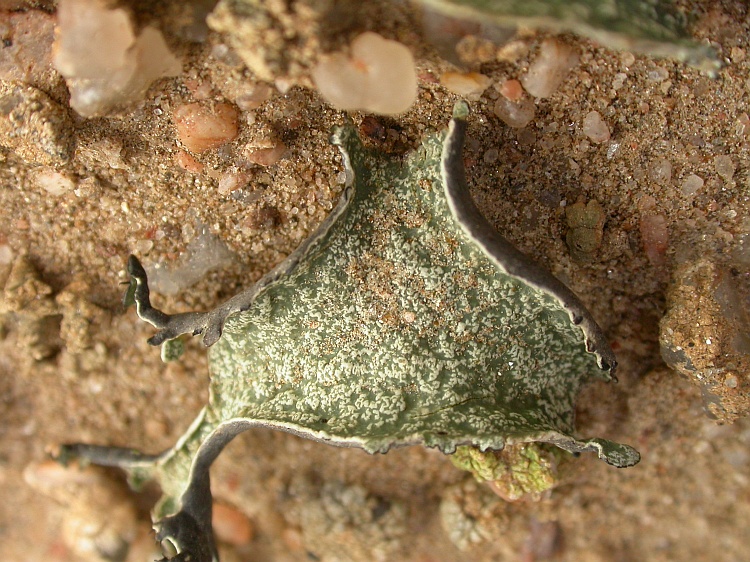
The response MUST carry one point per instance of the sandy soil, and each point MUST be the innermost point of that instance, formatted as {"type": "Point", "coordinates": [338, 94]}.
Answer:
{"type": "Point", "coordinates": [78, 369]}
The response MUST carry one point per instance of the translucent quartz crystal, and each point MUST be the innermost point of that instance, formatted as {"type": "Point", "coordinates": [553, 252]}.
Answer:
{"type": "Point", "coordinates": [104, 63]}
{"type": "Point", "coordinates": [378, 76]}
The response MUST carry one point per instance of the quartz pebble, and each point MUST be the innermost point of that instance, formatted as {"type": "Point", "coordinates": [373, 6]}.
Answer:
{"type": "Point", "coordinates": [186, 161]}
{"type": "Point", "coordinates": [203, 127]}
{"type": "Point", "coordinates": [515, 114]}
{"type": "Point", "coordinates": [655, 237]}
{"type": "Point", "coordinates": [549, 69]}
{"type": "Point", "coordinates": [691, 184]}
{"type": "Point", "coordinates": [27, 45]}
{"type": "Point", "coordinates": [595, 128]}
{"type": "Point", "coordinates": [661, 171]}
{"type": "Point", "coordinates": [379, 76]}
{"type": "Point", "coordinates": [231, 181]}
{"type": "Point", "coordinates": [511, 90]}
{"type": "Point", "coordinates": [105, 64]}
{"type": "Point", "coordinates": [53, 182]}
{"type": "Point", "coordinates": [469, 84]}
{"type": "Point", "coordinates": [724, 167]}
{"type": "Point", "coordinates": [266, 153]}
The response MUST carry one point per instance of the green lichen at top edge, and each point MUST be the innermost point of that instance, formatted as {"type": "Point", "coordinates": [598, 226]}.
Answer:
{"type": "Point", "coordinates": [655, 27]}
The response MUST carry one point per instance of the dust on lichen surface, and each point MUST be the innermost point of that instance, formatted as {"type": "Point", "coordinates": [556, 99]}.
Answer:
{"type": "Point", "coordinates": [130, 193]}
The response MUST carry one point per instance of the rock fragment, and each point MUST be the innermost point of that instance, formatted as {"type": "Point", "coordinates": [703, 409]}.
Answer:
{"type": "Point", "coordinates": [377, 76]}
{"type": "Point", "coordinates": [101, 520]}
{"type": "Point", "coordinates": [203, 127]}
{"type": "Point", "coordinates": [469, 85]}
{"type": "Point", "coordinates": [704, 334]}
{"type": "Point", "coordinates": [595, 128]}
{"type": "Point", "coordinates": [34, 126]}
{"type": "Point", "coordinates": [550, 68]}
{"type": "Point", "coordinates": [104, 62]}
{"type": "Point", "coordinates": [27, 45]}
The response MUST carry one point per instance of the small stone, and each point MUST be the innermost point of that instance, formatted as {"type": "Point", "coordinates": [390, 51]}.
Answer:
{"type": "Point", "coordinates": [515, 114]}
{"type": "Point", "coordinates": [595, 128]}
{"type": "Point", "coordinates": [143, 246]}
{"type": "Point", "coordinates": [6, 254]}
{"type": "Point", "coordinates": [473, 50]}
{"type": "Point", "coordinates": [550, 68]}
{"type": "Point", "coordinates": [511, 52]}
{"type": "Point", "coordinates": [511, 90]}
{"type": "Point", "coordinates": [691, 184]}
{"type": "Point", "coordinates": [186, 161]}
{"type": "Point", "coordinates": [231, 525]}
{"type": "Point", "coordinates": [204, 127]}
{"type": "Point", "coordinates": [627, 59]}
{"type": "Point", "coordinates": [661, 171]}
{"type": "Point", "coordinates": [658, 74]}
{"type": "Point", "coordinates": [53, 182]}
{"type": "Point", "coordinates": [469, 84]}
{"type": "Point", "coordinates": [655, 238]}
{"type": "Point", "coordinates": [491, 156]}
{"type": "Point", "coordinates": [266, 153]}
{"type": "Point", "coordinates": [254, 97]}
{"type": "Point", "coordinates": [105, 64]}
{"type": "Point", "coordinates": [100, 518]}
{"type": "Point", "coordinates": [27, 45]}
{"type": "Point", "coordinates": [379, 76]}
{"type": "Point", "coordinates": [619, 80]}
{"type": "Point", "coordinates": [724, 167]}
{"type": "Point", "coordinates": [231, 181]}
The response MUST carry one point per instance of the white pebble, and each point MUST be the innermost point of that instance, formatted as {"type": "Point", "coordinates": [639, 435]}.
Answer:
{"type": "Point", "coordinates": [6, 254]}
{"type": "Point", "coordinates": [619, 80]}
{"type": "Point", "coordinates": [515, 114]}
{"type": "Point", "coordinates": [54, 182]}
{"type": "Point", "coordinates": [549, 69]}
{"type": "Point", "coordinates": [469, 84]}
{"type": "Point", "coordinates": [379, 76]}
{"type": "Point", "coordinates": [661, 171]}
{"type": "Point", "coordinates": [724, 167]}
{"type": "Point", "coordinates": [691, 185]}
{"type": "Point", "coordinates": [595, 128]}
{"type": "Point", "coordinates": [104, 63]}
{"type": "Point", "coordinates": [658, 74]}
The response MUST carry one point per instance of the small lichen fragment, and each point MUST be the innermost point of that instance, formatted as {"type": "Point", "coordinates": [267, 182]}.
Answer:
{"type": "Point", "coordinates": [335, 518]}
{"type": "Point", "coordinates": [585, 228]}
{"type": "Point", "coordinates": [523, 471]}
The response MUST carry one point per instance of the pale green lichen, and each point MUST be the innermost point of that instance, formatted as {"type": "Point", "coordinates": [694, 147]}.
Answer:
{"type": "Point", "coordinates": [405, 319]}
{"type": "Point", "coordinates": [523, 471]}
{"type": "Point", "coordinates": [655, 27]}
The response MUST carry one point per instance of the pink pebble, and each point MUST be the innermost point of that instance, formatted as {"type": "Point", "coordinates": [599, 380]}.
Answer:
{"type": "Point", "coordinates": [655, 237]}
{"type": "Point", "coordinates": [187, 162]}
{"type": "Point", "coordinates": [511, 90]}
{"type": "Point", "coordinates": [203, 127]}
{"type": "Point", "coordinates": [267, 156]}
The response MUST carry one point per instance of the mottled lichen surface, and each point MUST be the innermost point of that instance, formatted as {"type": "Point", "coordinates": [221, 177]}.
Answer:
{"type": "Point", "coordinates": [397, 328]}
